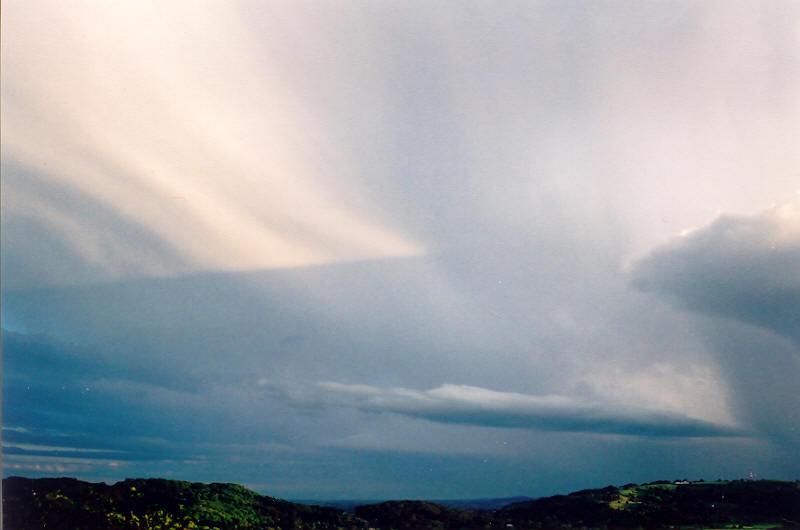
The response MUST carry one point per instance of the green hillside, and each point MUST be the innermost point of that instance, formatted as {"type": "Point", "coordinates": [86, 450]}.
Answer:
{"type": "Point", "coordinates": [722, 504]}
{"type": "Point", "coordinates": [64, 503]}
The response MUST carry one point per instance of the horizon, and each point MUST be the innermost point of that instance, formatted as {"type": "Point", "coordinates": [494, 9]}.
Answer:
{"type": "Point", "coordinates": [363, 501]}
{"type": "Point", "coordinates": [400, 250]}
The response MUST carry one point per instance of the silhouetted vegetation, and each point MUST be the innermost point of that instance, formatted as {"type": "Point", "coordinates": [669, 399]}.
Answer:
{"type": "Point", "coordinates": [413, 515]}
{"type": "Point", "coordinates": [65, 503]}
{"type": "Point", "coordinates": [662, 504]}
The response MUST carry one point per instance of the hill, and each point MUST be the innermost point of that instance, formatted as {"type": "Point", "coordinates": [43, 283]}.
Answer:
{"type": "Point", "coordinates": [64, 503]}
{"type": "Point", "coordinates": [723, 504]}
{"type": "Point", "coordinates": [485, 504]}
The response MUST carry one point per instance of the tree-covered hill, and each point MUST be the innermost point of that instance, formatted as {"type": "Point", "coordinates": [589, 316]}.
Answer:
{"type": "Point", "coordinates": [723, 504]}
{"type": "Point", "coordinates": [64, 503]}
{"type": "Point", "coordinates": [418, 515]}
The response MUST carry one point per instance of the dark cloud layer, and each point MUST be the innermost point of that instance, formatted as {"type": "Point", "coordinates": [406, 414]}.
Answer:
{"type": "Point", "coordinates": [742, 267]}
{"type": "Point", "coordinates": [743, 274]}
{"type": "Point", "coordinates": [164, 373]}
{"type": "Point", "coordinates": [60, 420]}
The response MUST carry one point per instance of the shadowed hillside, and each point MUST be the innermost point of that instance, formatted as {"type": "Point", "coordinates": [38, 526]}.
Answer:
{"type": "Point", "coordinates": [411, 515]}
{"type": "Point", "coordinates": [721, 504]}
{"type": "Point", "coordinates": [64, 503]}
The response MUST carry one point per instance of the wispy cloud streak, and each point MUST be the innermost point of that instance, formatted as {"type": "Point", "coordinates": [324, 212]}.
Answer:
{"type": "Point", "coordinates": [187, 135]}
{"type": "Point", "coordinates": [470, 405]}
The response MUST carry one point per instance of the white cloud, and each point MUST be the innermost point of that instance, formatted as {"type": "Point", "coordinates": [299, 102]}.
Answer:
{"type": "Point", "coordinates": [683, 386]}
{"type": "Point", "coordinates": [470, 405]}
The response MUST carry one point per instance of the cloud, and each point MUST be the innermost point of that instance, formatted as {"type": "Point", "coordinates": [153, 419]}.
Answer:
{"type": "Point", "coordinates": [739, 277]}
{"type": "Point", "coordinates": [470, 405]}
{"type": "Point", "coordinates": [144, 130]}
{"type": "Point", "coordinates": [741, 267]}
{"type": "Point", "coordinates": [276, 136]}
{"type": "Point", "coordinates": [519, 154]}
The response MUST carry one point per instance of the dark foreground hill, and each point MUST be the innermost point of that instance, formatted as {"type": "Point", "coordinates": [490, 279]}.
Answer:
{"type": "Point", "coordinates": [723, 504]}
{"type": "Point", "coordinates": [65, 503]}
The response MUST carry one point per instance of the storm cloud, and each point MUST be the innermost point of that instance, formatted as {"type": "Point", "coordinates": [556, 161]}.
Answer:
{"type": "Point", "coordinates": [743, 272]}
{"type": "Point", "coordinates": [741, 267]}
{"type": "Point", "coordinates": [403, 249]}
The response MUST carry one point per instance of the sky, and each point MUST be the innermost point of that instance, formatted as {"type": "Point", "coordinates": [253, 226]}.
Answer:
{"type": "Point", "coordinates": [373, 250]}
